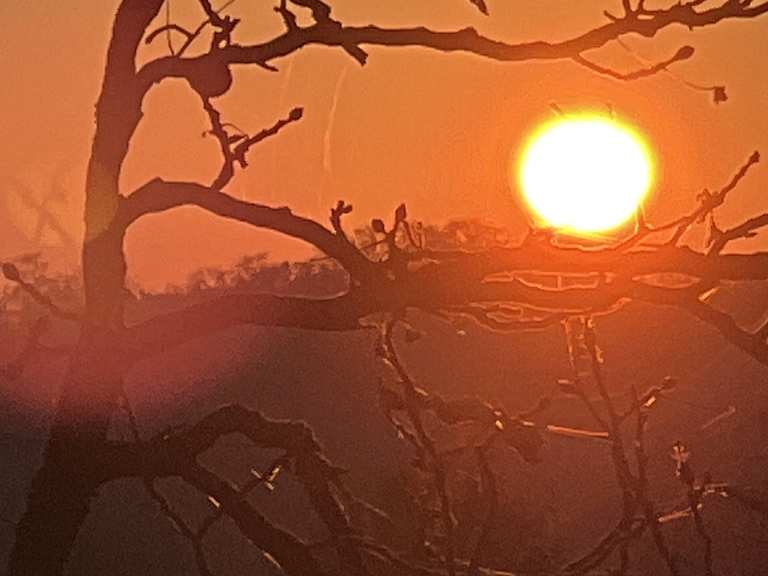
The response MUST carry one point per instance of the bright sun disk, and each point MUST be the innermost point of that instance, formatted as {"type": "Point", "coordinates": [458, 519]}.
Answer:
{"type": "Point", "coordinates": [585, 173]}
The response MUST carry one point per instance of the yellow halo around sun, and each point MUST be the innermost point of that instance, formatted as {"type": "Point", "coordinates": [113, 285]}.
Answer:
{"type": "Point", "coordinates": [585, 173]}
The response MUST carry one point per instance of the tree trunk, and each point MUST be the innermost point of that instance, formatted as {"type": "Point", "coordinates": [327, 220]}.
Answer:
{"type": "Point", "coordinates": [59, 498]}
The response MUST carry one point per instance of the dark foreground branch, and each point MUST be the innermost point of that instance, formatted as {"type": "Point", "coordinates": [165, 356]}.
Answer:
{"type": "Point", "coordinates": [175, 455]}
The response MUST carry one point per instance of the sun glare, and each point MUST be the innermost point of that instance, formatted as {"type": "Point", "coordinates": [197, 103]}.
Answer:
{"type": "Point", "coordinates": [585, 174]}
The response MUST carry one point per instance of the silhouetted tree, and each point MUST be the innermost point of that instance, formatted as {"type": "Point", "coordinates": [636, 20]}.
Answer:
{"type": "Point", "coordinates": [400, 268]}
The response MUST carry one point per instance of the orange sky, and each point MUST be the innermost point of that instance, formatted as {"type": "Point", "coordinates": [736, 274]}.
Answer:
{"type": "Point", "coordinates": [430, 129]}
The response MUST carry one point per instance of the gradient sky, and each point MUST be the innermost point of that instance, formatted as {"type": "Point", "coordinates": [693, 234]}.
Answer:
{"type": "Point", "coordinates": [433, 130]}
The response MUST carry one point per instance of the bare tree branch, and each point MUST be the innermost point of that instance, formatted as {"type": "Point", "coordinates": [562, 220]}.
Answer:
{"type": "Point", "coordinates": [329, 32]}
{"type": "Point", "coordinates": [425, 443]}
{"type": "Point", "coordinates": [711, 201]}
{"type": "Point", "coordinates": [12, 274]}
{"type": "Point", "coordinates": [683, 53]}
{"type": "Point", "coordinates": [174, 455]}
{"type": "Point", "coordinates": [490, 489]}
{"type": "Point", "coordinates": [234, 147]}
{"type": "Point", "coordinates": [159, 195]}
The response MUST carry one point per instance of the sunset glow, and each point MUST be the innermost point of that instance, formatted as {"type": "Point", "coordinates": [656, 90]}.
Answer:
{"type": "Point", "coordinates": [585, 173]}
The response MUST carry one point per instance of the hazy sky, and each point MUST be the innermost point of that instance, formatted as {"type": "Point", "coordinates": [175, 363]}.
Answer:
{"type": "Point", "coordinates": [430, 129]}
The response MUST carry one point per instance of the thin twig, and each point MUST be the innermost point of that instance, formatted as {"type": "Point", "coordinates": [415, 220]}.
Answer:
{"type": "Point", "coordinates": [438, 470]}
{"type": "Point", "coordinates": [490, 489]}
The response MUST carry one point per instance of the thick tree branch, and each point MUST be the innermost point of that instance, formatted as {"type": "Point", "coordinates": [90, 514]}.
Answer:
{"type": "Point", "coordinates": [165, 331]}
{"type": "Point", "coordinates": [174, 455]}
{"type": "Point", "coordinates": [751, 343]}
{"type": "Point", "coordinates": [446, 288]}
{"type": "Point", "coordinates": [159, 196]}
{"type": "Point", "coordinates": [554, 259]}
{"type": "Point", "coordinates": [331, 33]}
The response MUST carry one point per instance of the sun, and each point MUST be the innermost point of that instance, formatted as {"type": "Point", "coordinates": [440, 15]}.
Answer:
{"type": "Point", "coordinates": [586, 173]}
